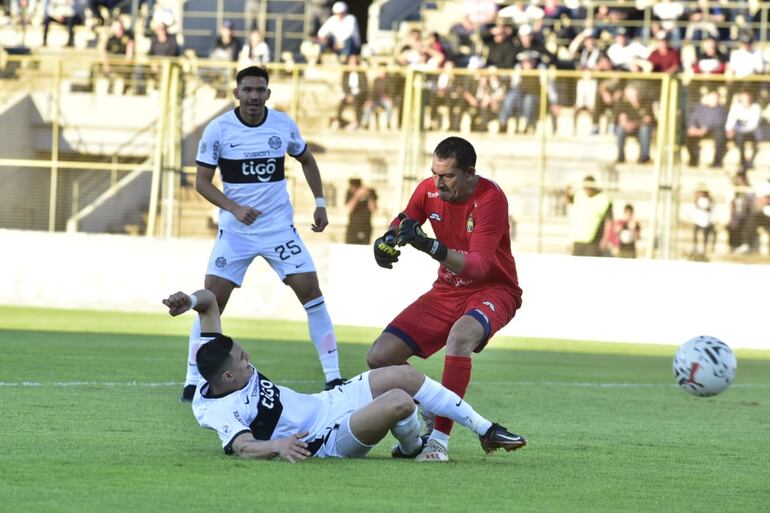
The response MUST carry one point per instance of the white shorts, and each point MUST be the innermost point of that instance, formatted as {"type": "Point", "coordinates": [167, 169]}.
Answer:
{"type": "Point", "coordinates": [283, 249]}
{"type": "Point", "coordinates": [335, 439]}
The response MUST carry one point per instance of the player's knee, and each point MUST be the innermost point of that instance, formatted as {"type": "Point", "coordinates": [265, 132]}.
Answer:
{"type": "Point", "coordinates": [400, 404]}
{"type": "Point", "coordinates": [377, 357]}
{"type": "Point", "coordinates": [461, 346]}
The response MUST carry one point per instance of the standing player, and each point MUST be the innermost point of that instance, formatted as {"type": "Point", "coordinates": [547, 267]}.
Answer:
{"type": "Point", "coordinates": [477, 290]}
{"type": "Point", "coordinates": [256, 418]}
{"type": "Point", "coordinates": [249, 145]}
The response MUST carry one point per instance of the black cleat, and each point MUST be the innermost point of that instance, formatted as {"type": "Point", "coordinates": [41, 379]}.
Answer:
{"type": "Point", "coordinates": [498, 437]}
{"type": "Point", "coordinates": [396, 450]}
{"type": "Point", "coordinates": [188, 392]}
{"type": "Point", "coordinates": [331, 385]}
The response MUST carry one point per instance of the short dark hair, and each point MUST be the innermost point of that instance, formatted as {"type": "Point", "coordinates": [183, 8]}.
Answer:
{"type": "Point", "coordinates": [459, 149]}
{"type": "Point", "coordinates": [214, 356]}
{"type": "Point", "coordinates": [252, 71]}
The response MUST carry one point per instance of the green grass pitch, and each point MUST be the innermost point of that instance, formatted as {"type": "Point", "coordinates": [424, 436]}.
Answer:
{"type": "Point", "coordinates": [90, 422]}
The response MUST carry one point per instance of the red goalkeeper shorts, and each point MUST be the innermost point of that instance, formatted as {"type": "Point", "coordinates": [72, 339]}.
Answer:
{"type": "Point", "coordinates": [425, 324]}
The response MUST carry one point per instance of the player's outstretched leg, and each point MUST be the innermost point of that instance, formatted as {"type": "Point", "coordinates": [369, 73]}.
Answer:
{"type": "Point", "coordinates": [498, 437]}
{"type": "Point", "coordinates": [442, 401]}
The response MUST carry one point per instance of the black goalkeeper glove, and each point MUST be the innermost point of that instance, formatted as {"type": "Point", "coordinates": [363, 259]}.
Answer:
{"type": "Point", "coordinates": [409, 232]}
{"type": "Point", "coordinates": [385, 252]}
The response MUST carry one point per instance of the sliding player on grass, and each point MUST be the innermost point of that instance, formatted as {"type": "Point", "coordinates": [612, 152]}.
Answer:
{"type": "Point", "coordinates": [477, 290]}
{"type": "Point", "coordinates": [256, 418]}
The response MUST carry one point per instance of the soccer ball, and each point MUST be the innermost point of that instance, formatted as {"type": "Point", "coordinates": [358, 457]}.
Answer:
{"type": "Point", "coordinates": [704, 366]}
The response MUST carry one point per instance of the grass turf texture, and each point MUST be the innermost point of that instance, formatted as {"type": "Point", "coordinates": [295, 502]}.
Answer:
{"type": "Point", "coordinates": [594, 445]}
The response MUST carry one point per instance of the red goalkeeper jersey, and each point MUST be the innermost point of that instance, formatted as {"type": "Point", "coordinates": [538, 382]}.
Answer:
{"type": "Point", "coordinates": [477, 227]}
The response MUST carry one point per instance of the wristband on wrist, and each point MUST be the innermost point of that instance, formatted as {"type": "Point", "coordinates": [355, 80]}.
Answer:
{"type": "Point", "coordinates": [193, 301]}
{"type": "Point", "coordinates": [320, 203]}
{"type": "Point", "coordinates": [438, 251]}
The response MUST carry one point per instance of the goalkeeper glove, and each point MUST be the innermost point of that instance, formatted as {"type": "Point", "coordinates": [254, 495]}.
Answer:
{"type": "Point", "coordinates": [385, 252]}
{"type": "Point", "coordinates": [409, 232]}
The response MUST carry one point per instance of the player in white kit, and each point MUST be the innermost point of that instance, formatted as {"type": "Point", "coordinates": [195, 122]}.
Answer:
{"type": "Point", "coordinates": [256, 418]}
{"type": "Point", "coordinates": [249, 145]}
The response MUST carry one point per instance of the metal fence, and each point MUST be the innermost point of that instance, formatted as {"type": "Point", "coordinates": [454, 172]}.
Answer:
{"type": "Point", "coordinates": [89, 150]}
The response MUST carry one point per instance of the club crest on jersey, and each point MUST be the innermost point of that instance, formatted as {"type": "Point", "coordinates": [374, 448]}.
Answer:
{"type": "Point", "coordinates": [274, 142]}
{"type": "Point", "coordinates": [435, 216]}
{"type": "Point", "coordinates": [220, 262]}
{"type": "Point", "coordinates": [432, 194]}
{"type": "Point", "coordinates": [469, 224]}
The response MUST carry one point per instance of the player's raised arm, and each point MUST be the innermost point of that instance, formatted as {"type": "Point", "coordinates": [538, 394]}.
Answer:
{"type": "Point", "coordinates": [313, 177]}
{"type": "Point", "coordinates": [202, 301]}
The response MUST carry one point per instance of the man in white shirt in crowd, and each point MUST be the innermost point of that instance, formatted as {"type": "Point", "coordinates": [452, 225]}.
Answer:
{"type": "Point", "coordinates": [340, 32]}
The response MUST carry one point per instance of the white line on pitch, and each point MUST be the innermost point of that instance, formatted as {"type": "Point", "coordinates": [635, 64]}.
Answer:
{"type": "Point", "coordinates": [307, 382]}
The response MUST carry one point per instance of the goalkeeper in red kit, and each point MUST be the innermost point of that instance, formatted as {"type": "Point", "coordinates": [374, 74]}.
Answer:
{"type": "Point", "coordinates": [476, 292]}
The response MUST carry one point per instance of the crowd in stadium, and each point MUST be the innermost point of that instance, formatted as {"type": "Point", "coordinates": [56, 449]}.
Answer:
{"type": "Point", "coordinates": [482, 71]}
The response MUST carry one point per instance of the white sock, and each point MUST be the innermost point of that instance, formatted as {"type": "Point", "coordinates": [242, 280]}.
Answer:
{"type": "Point", "coordinates": [445, 403]}
{"type": "Point", "coordinates": [440, 437]}
{"type": "Point", "coordinates": [322, 334]}
{"type": "Point", "coordinates": [407, 432]}
{"type": "Point", "coordinates": [193, 376]}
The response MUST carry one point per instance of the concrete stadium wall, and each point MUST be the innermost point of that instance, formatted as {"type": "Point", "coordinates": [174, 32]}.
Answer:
{"type": "Point", "coordinates": [564, 297]}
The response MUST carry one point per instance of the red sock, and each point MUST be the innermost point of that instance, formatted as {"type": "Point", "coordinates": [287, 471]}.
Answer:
{"type": "Point", "coordinates": [457, 375]}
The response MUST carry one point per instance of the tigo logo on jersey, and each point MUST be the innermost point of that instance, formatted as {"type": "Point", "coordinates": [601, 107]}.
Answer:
{"type": "Point", "coordinates": [274, 142]}
{"type": "Point", "coordinates": [263, 170]}
{"type": "Point", "coordinates": [469, 224]}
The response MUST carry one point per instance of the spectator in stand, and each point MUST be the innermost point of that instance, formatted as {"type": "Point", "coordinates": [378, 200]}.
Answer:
{"type": "Point", "coordinates": [354, 89]}
{"type": "Point", "coordinates": [609, 90]}
{"type": "Point", "coordinates": [256, 52]}
{"type": "Point", "coordinates": [704, 232]}
{"type": "Point", "coordinates": [490, 94]}
{"type": "Point", "coordinates": [64, 12]}
{"type": "Point", "coordinates": [22, 11]}
{"type": "Point", "coordinates": [664, 58]}
{"type": "Point", "coordinates": [666, 14]}
{"type": "Point", "coordinates": [553, 9]}
{"type": "Point", "coordinates": [635, 117]}
{"type": "Point", "coordinates": [629, 14]}
{"type": "Point", "coordinates": [437, 52]}
{"type": "Point", "coordinates": [120, 45]}
{"type": "Point", "coordinates": [745, 60]}
{"type": "Point", "coordinates": [709, 59]}
{"type": "Point", "coordinates": [462, 33]}
{"type": "Point", "coordinates": [227, 47]}
{"type": "Point", "coordinates": [361, 204]}
{"type": "Point", "coordinates": [585, 54]}
{"type": "Point", "coordinates": [707, 120]}
{"type": "Point", "coordinates": [501, 52]}
{"type": "Point", "coordinates": [340, 32]}
{"type": "Point", "coordinates": [742, 126]}
{"type": "Point", "coordinates": [702, 22]}
{"type": "Point", "coordinates": [627, 55]}
{"type": "Point", "coordinates": [412, 52]}
{"type": "Point", "coordinates": [163, 44]}
{"type": "Point", "coordinates": [383, 95]}
{"type": "Point", "coordinates": [95, 6]}
{"type": "Point", "coordinates": [741, 228]}
{"type": "Point", "coordinates": [626, 233]}
{"type": "Point", "coordinates": [521, 13]}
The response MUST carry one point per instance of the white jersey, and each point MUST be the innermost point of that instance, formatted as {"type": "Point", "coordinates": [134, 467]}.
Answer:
{"type": "Point", "coordinates": [266, 410]}
{"type": "Point", "coordinates": [251, 161]}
